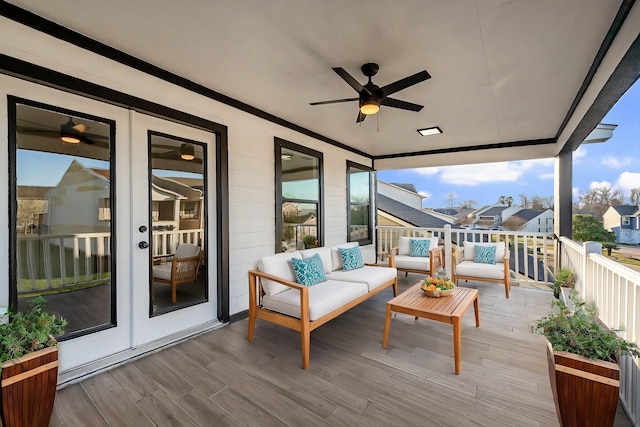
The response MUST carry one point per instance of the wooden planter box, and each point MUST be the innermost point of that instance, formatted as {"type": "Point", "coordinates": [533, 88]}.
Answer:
{"type": "Point", "coordinates": [585, 391]}
{"type": "Point", "coordinates": [29, 388]}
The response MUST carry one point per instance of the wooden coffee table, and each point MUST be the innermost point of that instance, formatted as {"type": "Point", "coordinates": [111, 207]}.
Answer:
{"type": "Point", "coordinates": [444, 309]}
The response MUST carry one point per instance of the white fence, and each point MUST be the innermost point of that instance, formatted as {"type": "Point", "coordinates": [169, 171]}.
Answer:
{"type": "Point", "coordinates": [57, 262]}
{"type": "Point", "coordinates": [533, 257]}
{"type": "Point", "coordinates": [614, 291]}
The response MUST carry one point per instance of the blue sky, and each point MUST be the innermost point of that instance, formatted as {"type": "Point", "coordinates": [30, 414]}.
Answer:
{"type": "Point", "coordinates": [615, 163]}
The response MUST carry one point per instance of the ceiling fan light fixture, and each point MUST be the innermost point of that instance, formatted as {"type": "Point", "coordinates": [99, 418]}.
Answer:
{"type": "Point", "coordinates": [187, 152]}
{"type": "Point", "coordinates": [370, 105]}
{"type": "Point", "coordinates": [68, 133]}
{"type": "Point", "coordinates": [435, 130]}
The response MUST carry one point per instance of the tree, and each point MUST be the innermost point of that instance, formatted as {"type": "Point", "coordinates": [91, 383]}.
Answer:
{"type": "Point", "coordinates": [468, 204]}
{"type": "Point", "coordinates": [451, 198]}
{"type": "Point", "coordinates": [634, 196]}
{"type": "Point", "coordinates": [505, 200]}
{"type": "Point", "coordinates": [587, 228]}
{"type": "Point", "coordinates": [524, 201]}
{"type": "Point", "coordinates": [513, 223]}
{"type": "Point", "coordinates": [598, 199]}
{"type": "Point", "coordinates": [610, 246]}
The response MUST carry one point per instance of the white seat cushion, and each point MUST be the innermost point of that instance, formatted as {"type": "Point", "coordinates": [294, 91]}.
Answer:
{"type": "Point", "coordinates": [187, 250]}
{"type": "Point", "coordinates": [325, 256]}
{"type": "Point", "coordinates": [412, 262]}
{"type": "Point", "coordinates": [488, 271]}
{"type": "Point", "coordinates": [162, 271]}
{"type": "Point", "coordinates": [323, 298]}
{"type": "Point", "coordinates": [404, 244]}
{"type": "Point", "coordinates": [278, 265]}
{"type": "Point", "coordinates": [371, 276]}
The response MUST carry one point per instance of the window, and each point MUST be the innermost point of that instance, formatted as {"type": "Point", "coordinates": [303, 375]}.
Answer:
{"type": "Point", "coordinates": [626, 220]}
{"type": "Point", "coordinates": [299, 197]}
{"type": "Point", "coordinates": [359, 196]}
{"type": "Point", "coordinates": [104, 209]}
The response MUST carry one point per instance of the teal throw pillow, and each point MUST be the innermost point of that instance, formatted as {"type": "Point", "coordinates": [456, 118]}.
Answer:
{"type": "Point", "coordinates": [419, 247]}
{"type": "Point", "coordinates": [309, 271]}
{"type": "Point", "coordinates": [485, 254]}
{"type": "Point", "coordinates": [351, 258]}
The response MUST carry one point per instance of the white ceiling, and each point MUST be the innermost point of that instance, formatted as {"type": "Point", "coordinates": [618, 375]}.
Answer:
{"type": "Point", "coordinates": [502, 70]}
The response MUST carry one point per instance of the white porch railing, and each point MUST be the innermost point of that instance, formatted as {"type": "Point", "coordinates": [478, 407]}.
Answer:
{"type": "Point", "coordinates": [614, 291]}
{"type": "Point", "coordinates": [532, 254]}
{"type": "Point", "coordinates": [49, 263]}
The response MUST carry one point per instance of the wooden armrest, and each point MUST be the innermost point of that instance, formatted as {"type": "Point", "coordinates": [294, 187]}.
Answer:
{"type": "Point", "coordinates": [294, 285]}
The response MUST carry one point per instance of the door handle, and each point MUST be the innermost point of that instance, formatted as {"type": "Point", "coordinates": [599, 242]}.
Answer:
{"type": "Point", "coordinates": [143, 245]}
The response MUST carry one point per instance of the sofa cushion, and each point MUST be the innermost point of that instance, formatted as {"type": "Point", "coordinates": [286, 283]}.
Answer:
{"type": "Point", "coordinates": [278, 265]}
{"type": "Point", "coordinates": [309, 271]}
{"type": "Point", "coordinates": [470, 253]}
{"type": "Point", "coordinates": [404, 243]}
{"type": "Point", "coordinates": [372, 276]}
{"type": "Point", "coordinates": [323, 298]}
{"type": "Point", "coordinates": [351, 258]}
{"type": "Point", "coordinates": [336, 257]}
{"type": "Point", "coordinates": [325, 254]}
{"type": "Point", "coordinates": [485, 254]}
{"type": "Point", "coordinates": [419, 247]}
{"type": "Point", "coordinates": [473, 269]}
{"type": "Point", "coordinates": [408, 262]}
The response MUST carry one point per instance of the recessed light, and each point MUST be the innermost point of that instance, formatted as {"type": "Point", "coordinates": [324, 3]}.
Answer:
{"type": "Point", "coordinates": [430, 131]}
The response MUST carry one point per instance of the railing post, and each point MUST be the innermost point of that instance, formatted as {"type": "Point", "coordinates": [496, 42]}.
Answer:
{"type": "Point", "coordinates": [589, 248]}
{"type": "Point", "coordinates": [448, 259]}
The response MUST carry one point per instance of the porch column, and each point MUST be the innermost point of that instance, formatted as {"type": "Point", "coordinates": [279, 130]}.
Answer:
{"type": "Point", "coordinates": [563, 194]}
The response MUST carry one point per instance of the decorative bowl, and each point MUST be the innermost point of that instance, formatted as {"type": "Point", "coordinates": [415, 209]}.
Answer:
{"type": "Point", "coordinates": [436, 287]}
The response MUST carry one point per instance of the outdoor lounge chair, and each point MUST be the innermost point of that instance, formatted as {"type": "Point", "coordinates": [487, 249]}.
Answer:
{"type": "Point", "coordinates": [484, 262]}
{"type": "Point", "coordinates": [181, 267]}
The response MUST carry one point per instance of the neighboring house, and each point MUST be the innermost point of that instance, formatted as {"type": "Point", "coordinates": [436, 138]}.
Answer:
{"type": "Point", "coordinates": [486, 217]}
{"type": "Point", "coordinates": [530, 220]}
{"type": "Point", "coordinates": [403, 193]}
{"type": "Point", "coordinates": [624, 222]}
{"type": "Point", "coordinates": [395, 213]}
{"type": "Point", "coordinates": [32, 208]}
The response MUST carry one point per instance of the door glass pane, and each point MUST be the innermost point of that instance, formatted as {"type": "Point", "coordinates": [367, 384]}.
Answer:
{"type": "Point", "coordinates": [177, 192]}
{"type": "Point", "coordinates": [300, 226]}
{"type": "Point", "coordinates": [62, 214]}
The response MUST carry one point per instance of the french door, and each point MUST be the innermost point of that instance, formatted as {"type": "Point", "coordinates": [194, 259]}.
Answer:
{"type": "Point", "coordinates": [100, 198]}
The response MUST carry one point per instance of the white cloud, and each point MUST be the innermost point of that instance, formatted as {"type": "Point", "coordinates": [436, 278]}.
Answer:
{"type": "Point", "coordinates": [575, 193]}
{"type": "Point", "coordinates": [628, 180]}
{"type": "Point", "coordinates": [474, 175]}
{"type": "Point", "coordinates": [550, 175]}
{"type": "Point", "coordinates": [426, 171]}
{"type": "Point", "coordinates": [616, 162]}
{"type": "Point", "coordinates": [579, 153]}
{"type": "Point", "coordinates": [596, 184]}
{"type": "Point", "coordinates": [424, 194]}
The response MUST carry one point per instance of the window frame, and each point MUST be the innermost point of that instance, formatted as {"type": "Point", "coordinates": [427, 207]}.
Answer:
{"type": "Point", "coordinates": [279, 144]}
{"type": "Point", "coordinates": [371, 204]}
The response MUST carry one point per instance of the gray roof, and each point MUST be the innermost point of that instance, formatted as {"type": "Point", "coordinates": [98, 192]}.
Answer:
{"type": "Point", "coordinates": [446, 211]}
{"type": "Point", "coordinates": [626, 210]}
{"type": "Point", "coordinates": [408, 187]}
{"type": "Point", "coordinates": [413, 216]}
{"type": "Point", "coordinates": [494, 211]}
{"type": "Point", "coordinates": [528, 214]}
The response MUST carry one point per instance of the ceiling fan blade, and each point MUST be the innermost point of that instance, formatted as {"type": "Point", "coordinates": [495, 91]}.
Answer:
{"type": "Point", "coordinates": [80, 127]}
{"type": "Point", "coordinates": [361, 117]}
{"type": "Point", "coordinates": [350, 80]}
{"type": "Point", "coordinates": [335, 101]}
{"type": "Point", "coordinates": [396, 103]}
{"type": "Point", "coordinates": [405, 83]}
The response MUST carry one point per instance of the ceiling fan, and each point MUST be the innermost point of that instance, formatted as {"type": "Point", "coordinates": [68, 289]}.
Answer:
{"type": "Point", "coordinates": [371, 96]}
{"type": "Point", "coordinates": [69, 132]}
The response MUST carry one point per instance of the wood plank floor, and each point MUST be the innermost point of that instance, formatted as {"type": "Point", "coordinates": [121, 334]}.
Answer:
{"type": "Point", "coordinates": [220, 379]}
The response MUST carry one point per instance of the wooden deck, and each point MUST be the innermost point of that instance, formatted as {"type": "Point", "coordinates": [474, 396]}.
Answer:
{"type": "Point", "coordinates": [220, 379]}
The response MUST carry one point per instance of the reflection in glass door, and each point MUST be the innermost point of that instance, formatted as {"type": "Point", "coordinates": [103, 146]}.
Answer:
{"type": "Point", "coordinates": [177, 194]}
{"type": "Point", "coordinates": [62, 214]}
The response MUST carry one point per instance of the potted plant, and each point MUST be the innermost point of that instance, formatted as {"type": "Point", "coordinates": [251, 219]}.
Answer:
{"type": "Point", "coordinates": [583, 369]}
{"type": "Point", "coordinates": [564, 279]}
{"type": "Point", "coordinates": [29, 365]}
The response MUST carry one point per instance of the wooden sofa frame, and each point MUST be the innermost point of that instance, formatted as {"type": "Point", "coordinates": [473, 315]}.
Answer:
{"type": "Point", "coordinates": [303, 325]}
{"type": "Point", "coordinates": [457, 257]}
{"type": "Point", "coordinates": [436, 261]}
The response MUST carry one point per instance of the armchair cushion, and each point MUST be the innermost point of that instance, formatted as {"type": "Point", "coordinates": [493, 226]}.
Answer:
{"type": "Point", "coordinates": [419, 247]}
{"type": "Point", "coordinates": [309, 271]}
{"type": "Point", "coordinates": [470, 252]}
{"type": "Point", "coordinates": [479, 270]}
{"type": "Point", "coordinates": [351, 258]}
{"type": "Point", "coordinates": [187, 250]}
{"type": "Point", "coordinates": [162, 271]}
{"type": "Point", "coordinates": [404, 244]}
{"type": "Point", "coordinates": [485, 254]}
{"type": "Point", "coordinates": [372, 276]}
